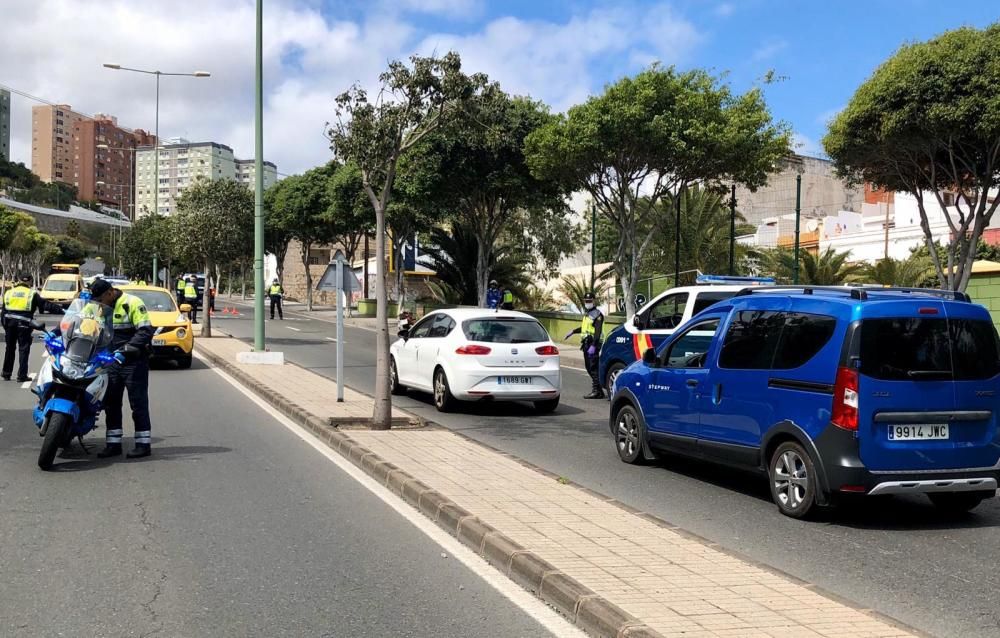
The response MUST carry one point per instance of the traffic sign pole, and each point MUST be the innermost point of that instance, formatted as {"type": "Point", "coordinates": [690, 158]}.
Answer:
{"type": "Point", "coordinates": [340, 328]}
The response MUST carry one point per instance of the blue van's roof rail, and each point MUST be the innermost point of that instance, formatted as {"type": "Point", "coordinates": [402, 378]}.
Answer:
{"type": "Point", "coordinates": [861, 294]}
{"type": "Point", "coordinates": [854, 293]}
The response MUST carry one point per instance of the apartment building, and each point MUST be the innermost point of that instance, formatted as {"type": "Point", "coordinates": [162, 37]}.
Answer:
{"type": "Point", "coordinates": [5, 124]}
{"type": "Point", "coordinates": [181, 163]}
{"type": "Point", "coordinates": [52, 152]}
{"type": "Point", "coordinates": [246, 171]}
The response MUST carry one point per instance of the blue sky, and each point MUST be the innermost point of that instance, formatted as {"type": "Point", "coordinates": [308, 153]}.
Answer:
{"type": "Point", "coordinates": [558, 51]}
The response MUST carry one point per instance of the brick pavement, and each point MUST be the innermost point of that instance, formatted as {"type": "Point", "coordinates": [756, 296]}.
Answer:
{"type": "Point", "coordinates": [674, 583]}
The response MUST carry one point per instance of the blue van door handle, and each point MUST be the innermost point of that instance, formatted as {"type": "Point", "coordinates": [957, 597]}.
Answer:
{"type": "Point", "coordinates": [717, 394]}
{"type": "Point", "coordinates": [692, 383]}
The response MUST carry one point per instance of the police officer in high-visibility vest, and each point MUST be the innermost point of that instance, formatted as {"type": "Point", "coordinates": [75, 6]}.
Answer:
{"type": "Point", "coordinates": [191, 296]}
{"type": "Point", "coordinates": [19, 306]}
{"type": "Point", "coordinates": [132, 328]}
{"type": "Point", "coordinates": [592, 331]}
{"type": "Point", "coordinates": [275, 291]}
{"type": "Point", "coordinates": [181, 284]}
{"type": "Point", "coordinates": [507, 301]}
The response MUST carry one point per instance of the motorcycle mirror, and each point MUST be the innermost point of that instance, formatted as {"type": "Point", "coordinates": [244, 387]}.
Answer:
{"type": "Point", "coordinates": [404, 334]}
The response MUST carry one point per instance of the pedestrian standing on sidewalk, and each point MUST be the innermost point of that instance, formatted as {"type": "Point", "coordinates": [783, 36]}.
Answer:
{"type": "Point", "coordinates": [19, 306]}
{"type": "Point", "coordinates": [191, 296]}
{"type": "Point", "coordinates": [592, 330]}
{"type": "Point", "coordinates": [276, 292]}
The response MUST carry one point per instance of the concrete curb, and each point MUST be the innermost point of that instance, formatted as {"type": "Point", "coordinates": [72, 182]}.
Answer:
{"type": "Point", "coordinates": [584, 608]}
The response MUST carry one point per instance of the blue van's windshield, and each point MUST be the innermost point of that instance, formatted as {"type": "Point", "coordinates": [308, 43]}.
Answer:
{"type": "Point", "coordinates": [929, 349]}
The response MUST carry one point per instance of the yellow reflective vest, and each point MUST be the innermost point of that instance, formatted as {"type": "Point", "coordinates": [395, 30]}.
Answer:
{"type": "Point", "coordinates": [18, 299]}
{"type": "Point", "coordinates": [190, 291]}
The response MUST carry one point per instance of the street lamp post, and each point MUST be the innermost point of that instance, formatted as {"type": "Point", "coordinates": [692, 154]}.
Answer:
{"type": "Point", "coordinates": [156, 132]}
{"type": "Point", "coordinates": [258, 206]}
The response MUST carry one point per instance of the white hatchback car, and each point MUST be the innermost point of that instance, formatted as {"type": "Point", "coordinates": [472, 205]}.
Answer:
{"type": "Point", "coordinates": [474, 354]}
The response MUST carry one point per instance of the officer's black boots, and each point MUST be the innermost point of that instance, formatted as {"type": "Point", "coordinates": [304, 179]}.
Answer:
{"type": "Point", "coordinates": [110, 450]}
{"type": "Point", "coordinates": [141, 450]}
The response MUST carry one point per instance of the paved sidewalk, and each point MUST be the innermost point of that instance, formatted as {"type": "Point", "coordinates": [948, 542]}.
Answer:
{"type": "Point", "coordinates": [612, 570]}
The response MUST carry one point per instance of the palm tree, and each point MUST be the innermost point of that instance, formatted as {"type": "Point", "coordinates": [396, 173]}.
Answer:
{"type": "Point", "coordinates": [453, 253]}
{"type": "Point", "coordinates": [575, 287]}
{"type": "Point", "coordinates": [829, 268]}
{"type": "Point", "coordinates": [915, 270]}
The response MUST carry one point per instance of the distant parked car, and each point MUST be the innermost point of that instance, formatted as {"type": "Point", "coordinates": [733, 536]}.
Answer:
{"type": "Point", "coordinates": [478, 355]}
{"type": "Point", "coordinates": [827, 392]}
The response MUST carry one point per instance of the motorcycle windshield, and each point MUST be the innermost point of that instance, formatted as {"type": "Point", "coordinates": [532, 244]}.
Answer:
{"type": "Point", "coordinates": [86, 328]}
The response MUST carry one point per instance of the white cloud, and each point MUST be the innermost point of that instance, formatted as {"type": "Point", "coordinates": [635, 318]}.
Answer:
{"type": "Point", "coordinates": [768, 50]}
{"type": "Point", "coordinates": [725, 9]}
{"type": "Point", "coordinates": [558, 61]}
{"type": "Point", "coordinates": [54, 49]}
{"type": "Point", "coordinates": [826, 117]}
{"type": "Point", "coordinates": [446, 8]}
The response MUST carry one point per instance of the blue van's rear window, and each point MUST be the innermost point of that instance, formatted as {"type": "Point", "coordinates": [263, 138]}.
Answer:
{"type": "Point", "coordinates": [925, 349]}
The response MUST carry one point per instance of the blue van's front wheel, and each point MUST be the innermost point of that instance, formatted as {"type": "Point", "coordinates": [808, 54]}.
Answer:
{"type": "Point", "coordinates": [629, 435]}
{"type": "Point", "coordinates": [793, 480]}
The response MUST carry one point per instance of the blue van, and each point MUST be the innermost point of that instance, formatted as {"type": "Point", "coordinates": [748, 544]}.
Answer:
{"type": "Point", "coordinates": [826, 391]}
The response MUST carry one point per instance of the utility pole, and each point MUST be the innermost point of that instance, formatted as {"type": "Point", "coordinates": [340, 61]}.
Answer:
{"type": "Point", "coordinates": [258, 204]}
{"type": "Point", "coordinates": [886, 230]}
{"type": "Point", "coordinates": [593, 243]}
{"type": "Point", "coordinates": [732, 232]}
{"type": "Point", "coordinates": [365, 269]}
{"type": "Point", "coordinates": [798, 214]}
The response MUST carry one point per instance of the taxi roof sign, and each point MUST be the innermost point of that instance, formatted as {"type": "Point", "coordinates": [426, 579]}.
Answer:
{"type": "Point", "coordinates": [727, 279]}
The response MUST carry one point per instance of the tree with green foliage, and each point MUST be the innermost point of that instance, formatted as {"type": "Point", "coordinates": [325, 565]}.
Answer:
{"type": "Point", "coordinates": [301, 206]}
{"type": "Point", "coordinates": [214, 225]}
{"type": "Point", "coordinates": [152, 234]}
{"type": "Point", "coordinates": [650, 135]}
{"type": "Point", "coordinates": [350, 211]}
{"type": "Point", "coordinates": [828, 268]}
{"type": "Point", "coordinates": [70, 249]}
{"type": "Point", "coordinates": [16, 231]}
{"type": "Point", "coordinates": [413, 102]}
{"type": "Point", "coordinates": [927, 122]}
{"type": "Point", "coordinates": [479, 173]}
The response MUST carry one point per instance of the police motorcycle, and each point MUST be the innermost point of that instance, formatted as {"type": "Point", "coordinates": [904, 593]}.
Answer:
{"type": "Point", "coordinates": [74, 376]}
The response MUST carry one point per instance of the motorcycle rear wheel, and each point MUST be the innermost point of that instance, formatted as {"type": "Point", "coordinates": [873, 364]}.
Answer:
{"type": "Point", "coordinates": [55, 436]}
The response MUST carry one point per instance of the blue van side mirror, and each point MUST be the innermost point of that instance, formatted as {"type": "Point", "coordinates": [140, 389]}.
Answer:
{"type": "Point", "coordinates": [650, 359]}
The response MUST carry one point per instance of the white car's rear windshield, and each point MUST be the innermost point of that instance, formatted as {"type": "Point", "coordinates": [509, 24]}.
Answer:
{"type": "Point", "coordinates": [504, 330]}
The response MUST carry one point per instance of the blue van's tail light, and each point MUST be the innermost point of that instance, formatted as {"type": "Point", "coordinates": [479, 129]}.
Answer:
{"type": "Point", "coordinates": [928, 311]}
{"type": "Point", "coordinates": [854, 489]}
{"type": "Point", "coordinates": [845, 399]}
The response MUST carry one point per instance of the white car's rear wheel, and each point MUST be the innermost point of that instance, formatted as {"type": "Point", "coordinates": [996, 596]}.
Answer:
{"type": "Point", "coordinates": [444, 401]}
{"type": "Point", "coordinates": [394, 386]}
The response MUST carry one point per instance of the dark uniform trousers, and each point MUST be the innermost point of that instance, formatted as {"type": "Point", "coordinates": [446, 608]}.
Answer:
{"type": "Point", "coordinates": [17, 337]}
{"type": "Point", "coordinates": [133, 377]}
{"type": "Point", "coordinates": [592, 363]}
{"type": "Point", "coordinates": [276, 303]}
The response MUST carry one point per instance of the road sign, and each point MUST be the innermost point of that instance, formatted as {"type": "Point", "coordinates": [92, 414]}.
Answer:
{"type": "Point", "coordinates": [328, 282]}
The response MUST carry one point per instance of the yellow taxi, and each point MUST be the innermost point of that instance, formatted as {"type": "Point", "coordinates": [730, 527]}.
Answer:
{"type": "Point", "coordinates": [174, 338]}
{"type": "Point", "coordinates": [63, 285]}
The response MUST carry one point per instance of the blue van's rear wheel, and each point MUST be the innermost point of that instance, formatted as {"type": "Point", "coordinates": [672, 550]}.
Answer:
{"type": "Point", "coordinates": [793, 480]}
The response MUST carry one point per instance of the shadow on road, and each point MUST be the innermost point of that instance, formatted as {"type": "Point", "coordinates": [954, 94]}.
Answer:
{"type": "Point", "coordinates": [495, 408]}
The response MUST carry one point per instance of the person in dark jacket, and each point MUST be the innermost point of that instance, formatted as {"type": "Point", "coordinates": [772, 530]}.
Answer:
{"type": "Point", "coordinates": [133, 331]}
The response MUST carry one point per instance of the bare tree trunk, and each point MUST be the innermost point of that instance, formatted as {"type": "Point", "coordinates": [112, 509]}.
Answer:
{"type": "Point", "coordinates": [306, 246]}
{"type": "Point", "coordinates": [206, 303]}
{"type": "Point", "coordinates": [482, 272]}
{"type": "Point", "coordinates": [382, 413]}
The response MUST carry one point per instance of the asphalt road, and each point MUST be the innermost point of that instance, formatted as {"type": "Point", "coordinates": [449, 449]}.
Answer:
{"type": "Point", "coordinates": [235, 527]}
{"type": "Point", "coordinates": [895, 555]}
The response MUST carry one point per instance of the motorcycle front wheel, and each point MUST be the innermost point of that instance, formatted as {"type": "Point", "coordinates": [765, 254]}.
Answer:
{"type": "Point", "coordinates": [55, 436]}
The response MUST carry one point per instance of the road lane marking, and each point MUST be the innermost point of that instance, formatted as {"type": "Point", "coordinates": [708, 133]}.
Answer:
{"type": "Point", "coordinates": [27, 384]}
{"type": "Point", "coordinates": [533, 607]}
{"type": "Point", "coordinates": [295, 329]}
{"type": "Point", "coordinates": [330, 339]}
